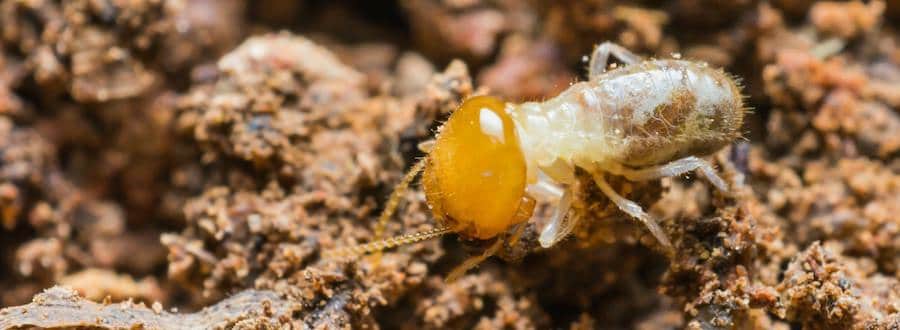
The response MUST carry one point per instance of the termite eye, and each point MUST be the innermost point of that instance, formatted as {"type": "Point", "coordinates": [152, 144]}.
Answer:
{"type": "Point", "coordinates": [476, 175]}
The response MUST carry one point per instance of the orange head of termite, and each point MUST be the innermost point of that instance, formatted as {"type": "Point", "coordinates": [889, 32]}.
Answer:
{"type": "Point", "coordinates": [474, 179]}
{"type": "Point", "coordinates": [475, 173]}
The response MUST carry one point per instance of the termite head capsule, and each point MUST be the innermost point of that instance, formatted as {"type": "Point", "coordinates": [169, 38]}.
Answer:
{"type": "Point", "coordinates": [475, 174]}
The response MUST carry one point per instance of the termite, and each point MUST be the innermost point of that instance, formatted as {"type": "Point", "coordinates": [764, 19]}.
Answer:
{"type": "Point", "coordinates": [491, 160]}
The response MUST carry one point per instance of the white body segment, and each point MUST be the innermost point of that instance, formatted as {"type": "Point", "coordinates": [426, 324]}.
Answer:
{"type": "Point", "coordinates": [643, 114]}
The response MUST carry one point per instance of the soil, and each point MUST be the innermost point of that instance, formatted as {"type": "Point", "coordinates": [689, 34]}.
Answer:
{"type": "Point", "coordinates": [197, 156]}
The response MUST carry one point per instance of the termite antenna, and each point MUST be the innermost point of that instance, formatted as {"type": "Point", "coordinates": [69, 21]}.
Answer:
{"type": "Point", "coordinates": [396, 195]}
{"type": "Point", "coordinates": [380, 245]}
{"type": "Point", "coordinates": [474, 261]}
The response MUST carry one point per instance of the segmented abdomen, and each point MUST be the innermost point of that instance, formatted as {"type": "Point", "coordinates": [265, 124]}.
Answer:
{"type": "Point", "coordinates": [658, 111]}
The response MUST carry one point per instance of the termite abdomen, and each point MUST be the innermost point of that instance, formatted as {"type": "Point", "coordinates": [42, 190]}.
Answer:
{"type": "Point", "coordinates": [664, 110]}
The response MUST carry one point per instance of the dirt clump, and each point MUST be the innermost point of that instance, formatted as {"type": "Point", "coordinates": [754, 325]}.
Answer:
{"type": "Point", "coordinates": [201, 155]}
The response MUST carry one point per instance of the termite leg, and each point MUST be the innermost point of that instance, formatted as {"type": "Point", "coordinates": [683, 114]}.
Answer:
{"type": "Point", "coordinates": [633, 209]}
{"type": "Point", "coordinates": [426, 146]}
{"type": "Point", "coordinates": [675, 168]}
{"type": "Point", "coordinates": [526, 208]}
{"type": "Point", "coordinates": [561, 224]}
{"type": "Point", "coordinates": [545, 189]}
{"type": "Point", "coordinates": [470, 263]}
{"type": "Point", "coordinates": [517, 234]}
{"type": "Point", "coordinates": [600, 57]}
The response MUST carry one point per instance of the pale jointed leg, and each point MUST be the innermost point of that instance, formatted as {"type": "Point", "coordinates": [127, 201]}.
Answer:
{"type": "Point", "coordinates": [545, 189]}
{"type": "Point", "coordinates": [675, 168]}
{"type": "Point", "coordinates": [471, 262]}
{"type": "Point", "coordinates": [600, 57]}
{"type": "Point", "coordinates": [632, 209]}
{"type": "Point", "coordinates": [526, 207]}
{"type": "Point", "coordinates": [426, 146]}
{"type": "Point", "coordinates": [561, 224]}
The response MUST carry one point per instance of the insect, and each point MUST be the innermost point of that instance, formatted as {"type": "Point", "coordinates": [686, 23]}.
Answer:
{"type": "Point", "coordinates": [492, 160]}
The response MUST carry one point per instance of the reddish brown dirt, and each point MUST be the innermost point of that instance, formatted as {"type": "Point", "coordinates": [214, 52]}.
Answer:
{"type": "Point", "coordinates": [197, 153]}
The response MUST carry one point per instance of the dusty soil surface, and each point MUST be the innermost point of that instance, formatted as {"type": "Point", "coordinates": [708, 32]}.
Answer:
{"type": "Point", "coordinates": [183, 163]}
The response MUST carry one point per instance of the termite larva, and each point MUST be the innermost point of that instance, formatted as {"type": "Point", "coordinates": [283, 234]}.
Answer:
{"type": "Point", "coordinates": [489, 162]}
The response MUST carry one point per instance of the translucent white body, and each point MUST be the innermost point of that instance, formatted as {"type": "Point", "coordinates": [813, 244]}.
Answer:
{"type": "Point", "coordinates": [643, 114]}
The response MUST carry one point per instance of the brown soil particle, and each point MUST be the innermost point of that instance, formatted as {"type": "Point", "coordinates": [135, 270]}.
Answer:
{"type": "Point", "coordinates": [198, 157]}
{"type": "Point", "coordinates": [70, 45]}
{"type": "Point", "coordinates": [846, 20]}
{"type": "Point", "coordinates": [816, 290]}
{"type": "Point", "coordinates": [27, 159]}
{"type": "Point", "coordinates": [470, 29]}
{"type": "Point", "coordinates": [59, 307]}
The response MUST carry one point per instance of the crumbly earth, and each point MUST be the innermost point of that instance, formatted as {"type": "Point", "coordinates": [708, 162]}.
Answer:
{"type": "Point", "coordinates": [197, 156]}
